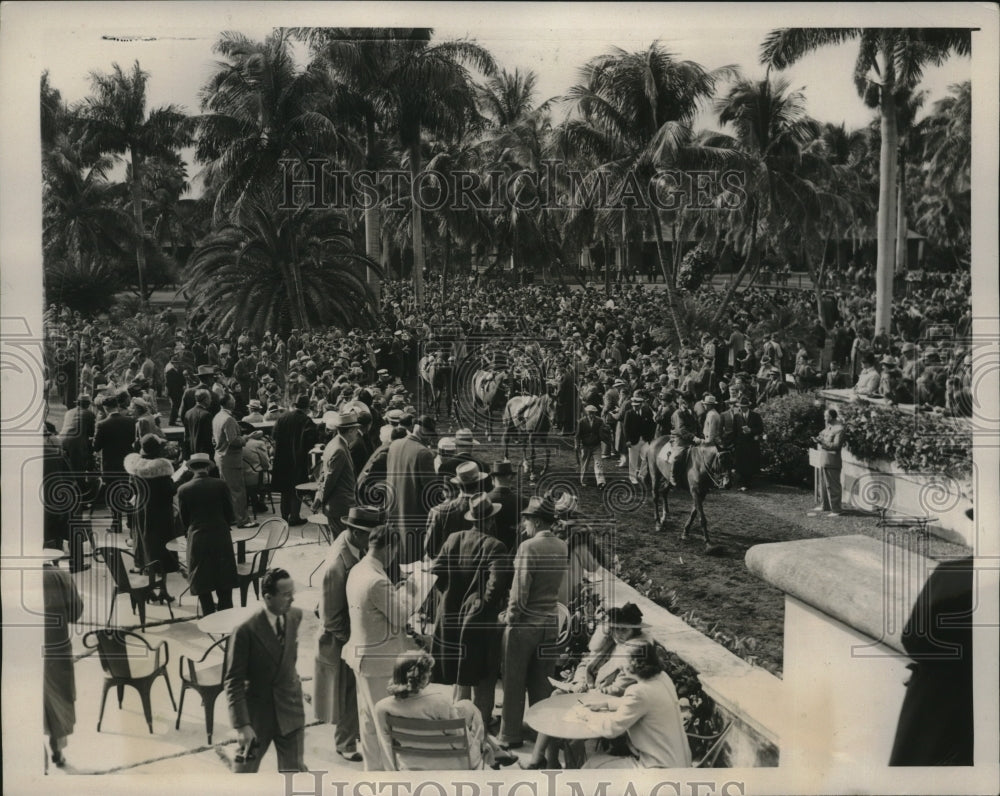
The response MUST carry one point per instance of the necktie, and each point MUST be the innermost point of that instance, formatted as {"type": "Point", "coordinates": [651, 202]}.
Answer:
{"type": "Point", "coordinates": [279, 628]}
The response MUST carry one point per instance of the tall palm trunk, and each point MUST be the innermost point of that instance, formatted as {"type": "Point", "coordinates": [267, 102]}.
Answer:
{"type": "Point", "coordinates": [447, 262]}
{"type": "Point", "coordinates": [416, 229]}
{"type": "Point", "coordinates": [140, 246]}
{"type": "Point", "coordinates": [667, 276]}
{"type": "Point", "coordinates": [901, 241]}
{"type": "Point", "coordinates": [607, 268]}
{"type": "Point", "coordinates": [747, 267]}
{"type": "Point", "coordinates": [373, 218]}
{"type": "Point", "coordinates": [886, 230]}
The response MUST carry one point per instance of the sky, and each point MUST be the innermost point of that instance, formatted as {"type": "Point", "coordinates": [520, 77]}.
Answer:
{"type": "Point", "coordinates": [553, 41]}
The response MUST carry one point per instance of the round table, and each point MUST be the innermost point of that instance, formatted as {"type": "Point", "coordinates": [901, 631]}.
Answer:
{"type": "Point", "coordinates": [554, 716]}
{"type": "Point", "coordinates": [222, 623]}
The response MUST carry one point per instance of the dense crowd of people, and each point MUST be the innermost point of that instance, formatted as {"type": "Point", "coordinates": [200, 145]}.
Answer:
{"type": "Point", "coordinates": [344, 413]}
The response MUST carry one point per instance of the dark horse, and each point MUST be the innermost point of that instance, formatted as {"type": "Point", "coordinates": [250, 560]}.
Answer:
{"type": "Point", "coordinates": [529, 418]}
{"type": "Point", "coordinates": [703, 469]}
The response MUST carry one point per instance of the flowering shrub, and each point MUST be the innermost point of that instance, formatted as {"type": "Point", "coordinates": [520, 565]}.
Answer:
{"type": "Point", "coordinates": [924, 443]}
{"type": "Point", "coordinates": [790, 423]}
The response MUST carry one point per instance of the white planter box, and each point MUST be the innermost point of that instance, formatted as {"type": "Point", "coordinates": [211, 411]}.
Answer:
{"type": "Point", "coordinates": [869, 486]}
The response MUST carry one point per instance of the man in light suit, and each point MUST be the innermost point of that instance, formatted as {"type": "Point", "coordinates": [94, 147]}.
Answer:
{"type": "Point", "coordinates": [378, 613]}
{"type": "Point", "coordinates": [529, 648]}
{"type": "Point", "coordinates": [336, 493]}
{"type": "Point", "coordinates": [262, 686]}
{"type": "Point", "coordinates": [335, 696]}
{"type": "Point", "coordinates": [409, 475]}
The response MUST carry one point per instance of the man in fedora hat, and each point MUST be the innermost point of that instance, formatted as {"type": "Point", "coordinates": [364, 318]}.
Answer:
{"type": "Point", "coordinates": [512, 503]}
{"type": "Point", "coordinates": [748, 430]}
{"type": "Point", "coordinates": [256, 413]}
{"type": "Point", "coordinates": [591, 431]}
{"type": "Point", "coordinates": [336, 493]}
{"type": "Point", "coordinates": [471, 577]}
{"type": "Point", "coordinates": [465, 444]}
{"type": "Point", "coordinates": [335, 698]}
{"type": "Point", "coordinates": [638, 428]}
{"type": "Point", "coordinates": [113, 439]}
{"type": "Point", "coordinates": [206, 510]}
{"type": "Point", "coordinates": [410, 475]}
{"type": "Point", "coordinates": [711, 431]}
{"type": "Point", "coordinates": [540, 565]}
{"type": "Point", "coordinates": [448, 517]}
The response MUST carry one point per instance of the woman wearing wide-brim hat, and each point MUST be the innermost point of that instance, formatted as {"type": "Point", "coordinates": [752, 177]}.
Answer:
{"type": "Point", "coordinates": [471, 572]}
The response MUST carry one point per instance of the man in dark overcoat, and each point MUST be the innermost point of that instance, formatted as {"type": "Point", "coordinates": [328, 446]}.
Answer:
{"type": "Point", "coordinates": [472, 574]}
{"type": "Point", "coordinates": [410, 476]}
{"type": "Point", "coordinates": [295, 435]}
{"type": "Point", "coordinates": [113, 439]}
{"type": "Point", "coordinates": [207, 512]}
{"type": "Point", "coordinates": [748, 429]}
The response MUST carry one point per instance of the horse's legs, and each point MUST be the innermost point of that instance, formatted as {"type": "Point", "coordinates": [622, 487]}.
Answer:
{"type": "Point", "coordinates": [700, 505]}
{"type": "Point", "coordinates": [690, 522]}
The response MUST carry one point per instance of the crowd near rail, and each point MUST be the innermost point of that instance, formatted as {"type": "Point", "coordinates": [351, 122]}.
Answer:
{"type": "Point", "coordinates": [185, 445]}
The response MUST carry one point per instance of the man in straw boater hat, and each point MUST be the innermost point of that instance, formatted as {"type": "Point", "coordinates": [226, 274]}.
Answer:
{"type": "Point", "coordinates": [336, 493]}
{"type": "Point", "coordinates": [206, 510]}
{"type": "Point", "coordinates": [335, 698]}
{"type": "Point", "coordinates": [449, 516]}
{"type": "Point", "coordinates": [540, 564]}
{"type": "Point", "coordinates": [465, 444]}
{"type": "Point", "coordinates": [471, 577]}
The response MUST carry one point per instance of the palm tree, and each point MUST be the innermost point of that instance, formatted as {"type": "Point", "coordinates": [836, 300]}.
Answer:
{"type": "Point", "coordinates": [259, 111]}
{"type": "Point", "coordinates": [272, 269]}
{"type": "Point", "coordinates": [633, 116]}
{"type": "Point", "coordinates": [889, 60]}
{"type": "Point", "coordinates": [116, 121]}
{"type": "Point", "coordinates": [943, 206]}
{"type": "Point", "coordinates": [81, 209]}
{"type": "Point", "coordinates": [772, 131]}
{"type": "Point", "coordinates": [401, 85]}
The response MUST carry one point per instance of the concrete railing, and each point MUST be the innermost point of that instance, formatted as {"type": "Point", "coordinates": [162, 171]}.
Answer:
{"type": "Point", "coordinates": [847, 600]}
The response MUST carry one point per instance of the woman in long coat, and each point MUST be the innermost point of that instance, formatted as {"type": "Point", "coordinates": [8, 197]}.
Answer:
{"type": "Point", "coordinates": [471, 571]}
{"type": "Point", "coordinates": [154, 487]}
{"type": "Point", "coordinates": [63, 605]}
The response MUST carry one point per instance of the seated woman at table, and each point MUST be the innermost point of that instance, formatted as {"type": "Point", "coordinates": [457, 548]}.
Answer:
{"type": "Point", "coordinates": [649, 713]}
{"type": "Point", "coordinates": [410, 697]}
{"type": "Point", "coordinates": [602, 669]}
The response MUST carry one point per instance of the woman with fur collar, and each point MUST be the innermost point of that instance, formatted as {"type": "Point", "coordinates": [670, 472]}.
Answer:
{"type": "Point", "coordinates": [152, 478]}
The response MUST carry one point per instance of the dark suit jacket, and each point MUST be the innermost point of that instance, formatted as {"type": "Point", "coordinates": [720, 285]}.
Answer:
{"type": "Point", "coordinates": [198, 431]}
{"type": "Point", "coordinates": [444, 520]}
{"type": "Point", "coordinates": [262, 687]}
{"type": "Point", "coordinates": [113, 438]}
{"type": "Point", "coordinates": [508, 519]}
{"type": "Point", "coordinates": [294, 436]}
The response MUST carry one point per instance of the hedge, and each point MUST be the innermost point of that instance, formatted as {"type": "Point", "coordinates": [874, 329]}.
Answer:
{"type": "Point", "coordinates": [790, 423]}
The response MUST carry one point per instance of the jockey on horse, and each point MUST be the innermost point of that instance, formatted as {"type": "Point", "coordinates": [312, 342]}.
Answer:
{"type": "Point", "coordinates": [683, 434]}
